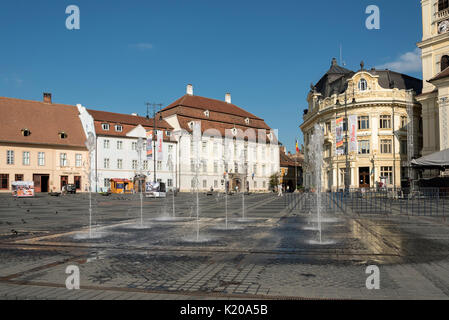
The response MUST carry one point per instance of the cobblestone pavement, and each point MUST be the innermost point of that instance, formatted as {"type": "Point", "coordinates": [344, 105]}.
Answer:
{"type": "Point", "coordinates": [271, 254]}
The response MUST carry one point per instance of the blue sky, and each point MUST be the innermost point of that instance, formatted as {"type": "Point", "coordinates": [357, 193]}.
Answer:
{"type": "Point", "coordinates": [266, 53]}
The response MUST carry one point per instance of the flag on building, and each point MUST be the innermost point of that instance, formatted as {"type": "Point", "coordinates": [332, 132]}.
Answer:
{"type": "Point", "coordinates": [150, 145]}
{"type": "Point", "coordinates": [297, 147]}
{"type": "Point", "coordinates": [159, 142]}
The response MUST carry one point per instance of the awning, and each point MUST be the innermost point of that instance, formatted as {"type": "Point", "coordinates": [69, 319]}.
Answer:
{"type": "Point", "coordinates": [435, 160]}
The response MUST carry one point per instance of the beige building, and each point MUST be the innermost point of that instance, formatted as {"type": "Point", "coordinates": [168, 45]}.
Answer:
{"type": "Point", "coordinates": [435, 61]}
{"type": "Point", "coordinates": [41, 142]}
{"type": "Point", "coordinates": [387, 129]}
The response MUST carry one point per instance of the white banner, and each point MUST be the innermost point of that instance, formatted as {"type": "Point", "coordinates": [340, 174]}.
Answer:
{"type": "Point", "coordinates": [159, 142]}
{"type": "Point", "coordinates": [353, 145]}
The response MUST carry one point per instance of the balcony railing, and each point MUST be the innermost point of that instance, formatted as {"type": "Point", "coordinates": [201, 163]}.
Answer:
{"type": "Point", "coordinates": [441, 15]}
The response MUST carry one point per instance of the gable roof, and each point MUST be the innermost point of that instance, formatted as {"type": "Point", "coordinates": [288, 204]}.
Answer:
{"type": "Point", "coordinates": [44, 120]}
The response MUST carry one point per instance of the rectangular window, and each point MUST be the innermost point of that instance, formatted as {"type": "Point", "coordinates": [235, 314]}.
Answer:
{"type": "Point", "coordinates": [204, 149]}
{"type": "Point", "coordinates": [26, 158]}
{"type": "Point", "coordinates": [385, 122]}
{"type": "Point", "coordinates": [4, 181]}
{"type": "Point", "coordinates": [145, 164]}
{"type": "Point", "coordinates": [159, 165]}
{"type": "Point", "coordinates": [404, 122]}
{"type": "Point", "coordinates": [387, 172]}
{"type": "Point", "coordinates": [18, 177]}
{"type": "Point", "coordinates": [10, 157]}
{"type": "Point", "coordinates": [107, 183]}
{"type": "Point", "coordinates": [134, 146]}
{"type": "Point", "coordinates": [105, 126]}
{"type": "Point", "coordinates": [134, 164]}
{"type": "Point", "coordinates": [118, 128]}
{"type": "Point", "coordinates": [236, 167]}
{"type": "Point", "coordinates": [41, 158]}
{"type": "Point", "coordinates": [403, 146]}
{"type": "Point", "coordinates": [255, 169]}
{"type": "Point", "coordinates": [169, 182]}
{"type": "Point", "coordinates": [106, 144]}
{"type": "Point", "coordinates": [363, 122]}
{"type": "Point", "coordinates": [204, 184]}
{"type": "Point", "coordinates": [78, 160]}
{"type": "Point", "coordinates": [119, 164]}
{"type": "Point", "coordinates": [119, 145]}
{"type": "Point", "coordinates": [385, 146]}
{"type": "Point", "coordinates": [63, 160]}
{"type": "Point", "coordinates": [215, 167]}
{"type": "Point", "coordinates": [170, 149]}
{"type": "Point", "coordinates": [364, 147]}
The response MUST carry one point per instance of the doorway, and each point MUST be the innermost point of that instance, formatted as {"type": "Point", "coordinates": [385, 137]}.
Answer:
{"type": "Point", "coordinates": [41, 182]}
{"type": "Point", "coordinates": [64, 181]}
{"type": "Point", "coordinates": [364, 178]}
{"type": "Point", "coordinates": [77, 180]}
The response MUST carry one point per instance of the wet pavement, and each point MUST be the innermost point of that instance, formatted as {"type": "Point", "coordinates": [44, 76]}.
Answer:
{"type": "Point", "coordinates": [274, 253]}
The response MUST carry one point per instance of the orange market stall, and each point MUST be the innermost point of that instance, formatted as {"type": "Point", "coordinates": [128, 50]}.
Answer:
{"type": "Point", "coordinates": [122, 186]}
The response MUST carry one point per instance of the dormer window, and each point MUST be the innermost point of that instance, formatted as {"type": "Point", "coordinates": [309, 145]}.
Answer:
{"type": "Point", "coordinates": [26, 132]}
{"type": "Point", "coordinates": [191, 125]}
{"type": "Point", "coordinates": [105, 126]}
{"type": "Point", "coordinates": [234, 131]}
{"type": "Point", "coordinates": [62, 135]}
{"type": "Point", "coordinates": [363, 85]}
{"type": "Point", "coordinates": [168, 133]}
{"type": "Point", "coordinates": [247, 121]}
{"type": "Point", "coordinates": [118, 128]}
{"type": "Point", "coordinates": [207, 113]}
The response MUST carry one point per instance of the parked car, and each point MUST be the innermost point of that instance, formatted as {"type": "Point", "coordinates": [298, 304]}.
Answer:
{"type": "Point", "coordinates": [70, 188]}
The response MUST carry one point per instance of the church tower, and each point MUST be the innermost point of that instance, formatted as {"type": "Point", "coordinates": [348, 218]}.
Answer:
{"type": "Point", "coordinates": [435, 62]}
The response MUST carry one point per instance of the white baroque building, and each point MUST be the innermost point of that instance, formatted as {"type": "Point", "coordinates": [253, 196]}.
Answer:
{"type": "Point", "coordinates": [237, 151]}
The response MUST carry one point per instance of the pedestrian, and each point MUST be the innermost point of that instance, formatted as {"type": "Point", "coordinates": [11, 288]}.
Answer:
{"type": "Point", "coordinates": [279, 190]}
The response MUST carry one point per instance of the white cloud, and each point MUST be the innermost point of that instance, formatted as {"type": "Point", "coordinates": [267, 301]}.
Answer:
{"type": "Point", "coordinates": [407, 62]}
{"type": "Point", "coordinates": [142, 46]}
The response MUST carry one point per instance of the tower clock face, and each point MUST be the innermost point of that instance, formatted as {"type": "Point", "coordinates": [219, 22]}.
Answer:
{"type": "Point", "coordinates": [443, 27]}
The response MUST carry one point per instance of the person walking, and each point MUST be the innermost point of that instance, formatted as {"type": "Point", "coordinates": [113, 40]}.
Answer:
{"type": "Point", "coordinates": [279, 190]}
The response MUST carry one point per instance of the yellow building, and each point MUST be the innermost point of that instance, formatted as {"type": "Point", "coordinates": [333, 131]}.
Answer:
{"type": "Point", "coordinates": [387, 118]}
{"type": "Point", "coordinates": [435, 61]}
{"type": "Point", "coordinates": [41, 142]}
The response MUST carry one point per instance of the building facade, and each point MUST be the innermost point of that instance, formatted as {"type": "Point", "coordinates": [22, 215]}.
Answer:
{"type": "Point", "coordinates": [386, 127]}
{"type": "Point", "coordinates": [41, 142]}
{"type": "Point", "coordinates": [238, 151]}
{"type": "Point", "coordinates": [291, 177]}
{"type": "Point", "coordinates": [117, 155]}
{"type": "Point", "coordinates": [435, 62]}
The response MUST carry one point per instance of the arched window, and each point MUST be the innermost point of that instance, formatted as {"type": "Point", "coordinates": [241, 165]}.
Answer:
{"type": "Point", "coordinates": [363, 85]}
{"type": "Point", "coordinates": [444, 62]}
{"type": "Point", "coordinates": [443, 4]}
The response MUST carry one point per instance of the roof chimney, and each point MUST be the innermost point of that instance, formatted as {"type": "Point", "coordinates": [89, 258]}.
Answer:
{"type": "Point", "coordinates": [47, 97]}
{"type": "Point", "coordinates": [134, 114]}
{"type": "Point", "coordinates": [189, 90]}
{"type": "Point", "coordinates": [228, 98]}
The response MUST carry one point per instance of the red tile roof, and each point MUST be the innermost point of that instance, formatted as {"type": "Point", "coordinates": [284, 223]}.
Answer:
{"type": "Point", "coordinates": [44, 120]}
{"type": "Point", "coordinates": [443, 74]}
{"type": "Point", "coordinates": [203, 103]}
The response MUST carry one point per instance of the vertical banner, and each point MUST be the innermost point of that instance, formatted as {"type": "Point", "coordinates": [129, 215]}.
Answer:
{"type": "Point", "coordinates": [149, 145]}
{"type": "Point", "coordinates": [159, 142]}
{"type": "Point", "coordinates": [339, 136]}
{"type": "Point", "coordinates": [353, 145]}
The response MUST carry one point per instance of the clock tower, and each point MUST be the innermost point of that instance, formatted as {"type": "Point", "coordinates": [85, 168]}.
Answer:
{"type": "Point", "coordinates": [435, 62]}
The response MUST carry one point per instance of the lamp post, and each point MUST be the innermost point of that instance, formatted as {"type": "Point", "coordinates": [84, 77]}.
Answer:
{"type": "Point", "coordinates": [347, 172]}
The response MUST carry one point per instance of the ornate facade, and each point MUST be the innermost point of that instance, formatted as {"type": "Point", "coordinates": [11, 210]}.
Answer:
{"type": "Point", "coordinates": [388, 127]}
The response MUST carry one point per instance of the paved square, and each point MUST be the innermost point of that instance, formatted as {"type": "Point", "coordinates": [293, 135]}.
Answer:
{"type": "Point", "coordinates": [271, 254]}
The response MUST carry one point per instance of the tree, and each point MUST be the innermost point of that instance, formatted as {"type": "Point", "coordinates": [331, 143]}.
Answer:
{"type": "Point", "coordinates": [274, 181]}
